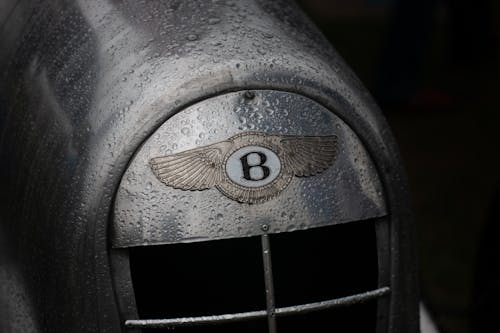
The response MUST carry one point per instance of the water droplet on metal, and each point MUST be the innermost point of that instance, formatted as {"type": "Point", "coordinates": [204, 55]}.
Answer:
{"type": "Point", "coordinates": [213, 20]}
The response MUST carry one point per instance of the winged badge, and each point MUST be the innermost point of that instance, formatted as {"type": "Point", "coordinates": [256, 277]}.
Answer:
{"type": "Point", "coordinates": [251, 167]}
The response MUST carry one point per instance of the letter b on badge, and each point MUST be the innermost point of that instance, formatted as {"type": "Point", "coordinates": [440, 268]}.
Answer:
{"type": "Point", "coordinates": [250, 168]}
{"type": "Point", "coordinates": [253, 166]}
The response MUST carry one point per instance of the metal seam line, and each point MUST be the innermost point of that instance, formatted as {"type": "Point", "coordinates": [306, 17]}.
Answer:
{"type": "Point", "coordinates": [279, 312]}
{"type": "Point", "coordinates": [268, 275]}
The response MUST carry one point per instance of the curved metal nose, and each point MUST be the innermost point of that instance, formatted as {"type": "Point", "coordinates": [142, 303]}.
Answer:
{"type": "Point", "coordinates": [225, 166]}
{"type": "Point", "coordinates": [230, 169]}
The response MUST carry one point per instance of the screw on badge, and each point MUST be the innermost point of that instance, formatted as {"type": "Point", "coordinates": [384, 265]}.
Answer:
{"type": "Point", "coordinates": [250, 167]}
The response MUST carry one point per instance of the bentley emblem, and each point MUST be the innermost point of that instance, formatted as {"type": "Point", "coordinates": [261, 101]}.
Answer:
{"type": "Point", "coordinates": [250, 167]}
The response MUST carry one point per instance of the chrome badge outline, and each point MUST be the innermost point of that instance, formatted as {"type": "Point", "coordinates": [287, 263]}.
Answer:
{"type": "Point", "coordinates": [205, 167]}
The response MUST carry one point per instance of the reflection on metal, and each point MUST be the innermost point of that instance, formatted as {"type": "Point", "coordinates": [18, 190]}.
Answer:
{"type": "Point", "coordinates": [205, 146]}
{"type": "Point", "coordinates": [250, 167]}
{"type": "Point", "coordinates": [279, 312]}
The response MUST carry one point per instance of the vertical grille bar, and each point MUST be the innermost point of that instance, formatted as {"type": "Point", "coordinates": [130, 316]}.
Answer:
{"type": "Point", "coordinates": [268, 276]}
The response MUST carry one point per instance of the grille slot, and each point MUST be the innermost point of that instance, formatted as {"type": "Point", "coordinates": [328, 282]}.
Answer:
{"type": "Point", "coordinates": [185, 280]}
{"type": "Point", "coordinates": [324, 263]}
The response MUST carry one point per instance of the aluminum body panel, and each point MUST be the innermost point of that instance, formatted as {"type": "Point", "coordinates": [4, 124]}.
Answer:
{"type": "Point", "coordinates": [149, 212]}
{"type": "Point", "coordinates": [83, 83]}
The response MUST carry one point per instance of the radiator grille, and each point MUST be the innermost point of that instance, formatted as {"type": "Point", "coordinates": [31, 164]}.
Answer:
{"type": "Point", "coordinates": [199, 278]}
{"type": "Point", "coordinates": [322, 280]}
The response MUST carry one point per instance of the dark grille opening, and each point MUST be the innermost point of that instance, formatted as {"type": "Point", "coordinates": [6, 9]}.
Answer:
{"type": "Point", "coordinates": [196, 279]}
{"type": "Point", "coordinates": [360, 318]}
{"type": "Point", "coordinates": [227, 276]}
{"type": "Point", "coordinates": [324, 263]}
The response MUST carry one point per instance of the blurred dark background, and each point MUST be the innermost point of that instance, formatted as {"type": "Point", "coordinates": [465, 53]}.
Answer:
{"type": "Point", "coordinates": [433, 67]}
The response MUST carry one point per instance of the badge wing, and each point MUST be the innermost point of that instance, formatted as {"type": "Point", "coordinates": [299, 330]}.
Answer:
{"type": "Point", "coordinates": [309, 155]}
{"type": "Point", "coordinates": [195, 169]}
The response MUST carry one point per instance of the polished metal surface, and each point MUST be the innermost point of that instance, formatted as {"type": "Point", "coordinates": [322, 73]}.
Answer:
{"type": "Point", "coordinates": [85, 83]}
{"type": "Point", "coordinates": [279, 312]}
{"type": "Point", "coordinates": [148, 212]}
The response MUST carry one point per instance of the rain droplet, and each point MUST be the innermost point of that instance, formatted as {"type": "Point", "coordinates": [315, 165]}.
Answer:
{"type": "Point", "coordinates": [213, 20]}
